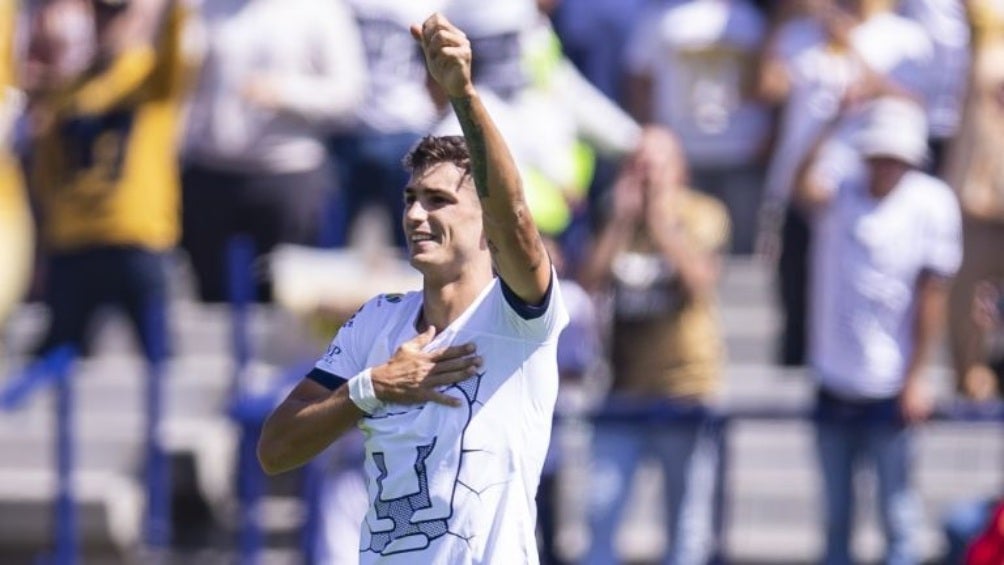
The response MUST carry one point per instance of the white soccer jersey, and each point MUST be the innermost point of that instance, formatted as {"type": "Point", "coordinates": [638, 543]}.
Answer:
{"type": "Point", "coordinates": [457, 485]}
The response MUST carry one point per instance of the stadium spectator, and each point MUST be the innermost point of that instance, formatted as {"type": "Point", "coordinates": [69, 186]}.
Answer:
{"type": "Point", "coordinates": [691, 68]}
{"type": "Point", "coordinates": [105, 170]}
{"type": "Point", "coordinates": [965, 519]}
{"type": "Point", "coordinates": [886, 240]}
{"type": "Point", "coordinates": [839, 54]}
{"type": "Point", "coordinates": [395, 112]}
{"type": "Point", "coordinates": [16, 229]}
{"type": "Point", "coordinates": [971, 171]}
{"type": "Point", "coordinates": [595, 34]}
{"type": "Point", "coordinates": [988, 548]}
{"type": "Point", "coordinates": [277, 77]}
{"type": "Point", "coordinates": [659, 257]}
{"type": "Point", "coordinates": [948, 29]}
{"type": "Point", "coordinates": [976, 170]}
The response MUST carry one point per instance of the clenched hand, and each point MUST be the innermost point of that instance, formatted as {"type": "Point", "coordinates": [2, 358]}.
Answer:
{"type": "Point", "coordinates": [447, 54]}
{"type": "Point", "coordinates": [411, 375]}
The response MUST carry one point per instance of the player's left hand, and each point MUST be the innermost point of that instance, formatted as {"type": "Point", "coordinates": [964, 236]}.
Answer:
{"type": "Point", "coordinates": [447, 54]}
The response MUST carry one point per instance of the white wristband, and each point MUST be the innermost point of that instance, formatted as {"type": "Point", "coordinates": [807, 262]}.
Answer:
{"type": "Point", "coordinates": [362, 394]}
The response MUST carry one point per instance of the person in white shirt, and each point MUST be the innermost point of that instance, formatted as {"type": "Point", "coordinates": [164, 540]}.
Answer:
{"type": "Point", "coordinates": [453, 386]}
{"type": "Point", "coordinates": [690, 66]}
{"type": "Point", "coordinates": [945, 22]}
{"type": "Point", "coordinates": [277, 78]}
{"type": "Point", "coordinates": [839, 54]}
{"type": "Point", "coordinates": [886, 242]}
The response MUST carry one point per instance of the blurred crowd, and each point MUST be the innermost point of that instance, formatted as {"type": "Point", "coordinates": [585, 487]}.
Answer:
{"type": "Point", "coordinates": [854, 146]}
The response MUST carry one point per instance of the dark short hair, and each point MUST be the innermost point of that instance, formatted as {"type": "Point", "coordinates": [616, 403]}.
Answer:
{"type": "Point", "coordinates": [111, 5]}
{"type": "Point", "coordinates": [431, 150]}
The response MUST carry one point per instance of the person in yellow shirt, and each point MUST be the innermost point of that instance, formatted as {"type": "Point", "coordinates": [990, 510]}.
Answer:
{"type": "Point", "coordinates": [105, 172]}
{"type": "Point", "coordinates": [16, 231]}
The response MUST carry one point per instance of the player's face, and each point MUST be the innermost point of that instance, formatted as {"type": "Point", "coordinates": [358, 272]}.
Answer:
{"type": "Point", "coordinates": [442, 219]}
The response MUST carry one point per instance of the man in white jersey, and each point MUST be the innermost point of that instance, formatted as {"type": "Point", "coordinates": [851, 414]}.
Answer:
{"type": "Point", "coordinates": [453, 386]}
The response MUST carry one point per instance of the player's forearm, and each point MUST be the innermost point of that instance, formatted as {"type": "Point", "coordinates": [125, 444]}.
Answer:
{"type": "Point", "coordinates": [517, 248]}
{"type": "Point", "coordinates": [495, 174]}
{"type": "Point", "coordinates": [297, 431]}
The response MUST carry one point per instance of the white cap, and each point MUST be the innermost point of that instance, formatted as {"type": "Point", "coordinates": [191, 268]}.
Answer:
{"type": "Point", "coordinates": [894, 127]}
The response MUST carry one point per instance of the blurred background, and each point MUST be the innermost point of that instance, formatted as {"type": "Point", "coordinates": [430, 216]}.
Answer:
{"type": "Point", "coordinates": [195, 194]}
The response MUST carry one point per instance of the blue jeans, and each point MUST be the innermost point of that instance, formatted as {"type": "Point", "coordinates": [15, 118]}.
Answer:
{"type": "Point", "coordinates": [688, 459]}
{"type": "Point", "coordinates": [847, 433]}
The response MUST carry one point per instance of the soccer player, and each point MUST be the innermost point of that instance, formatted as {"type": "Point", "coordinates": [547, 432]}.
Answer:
{"type": "Point", "coordinates": [453, 386]}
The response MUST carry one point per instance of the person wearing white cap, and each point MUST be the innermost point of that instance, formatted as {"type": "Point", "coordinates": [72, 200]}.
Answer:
{"type": "Point", "coordinates": [895, 130]}
{"type": "Point", "coordinates": [886, 240]}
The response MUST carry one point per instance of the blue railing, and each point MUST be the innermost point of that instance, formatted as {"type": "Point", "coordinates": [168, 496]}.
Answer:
{"type": "Point", "coordinates": [249, 409]}
{"type": "Point", "coordinates": [54, 370]}
{"type": "Point", "coordinates": [157, 526]}
{"type": "Point", "coordinates": [250, 478]}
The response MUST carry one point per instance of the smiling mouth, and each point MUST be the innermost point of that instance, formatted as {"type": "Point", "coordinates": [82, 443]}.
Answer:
{"type": "Point", "coordinates": [418, 239]}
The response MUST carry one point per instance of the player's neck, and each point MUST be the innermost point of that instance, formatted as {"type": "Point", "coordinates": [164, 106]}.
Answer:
{"type": "Point", "coordinates": [444, 302]}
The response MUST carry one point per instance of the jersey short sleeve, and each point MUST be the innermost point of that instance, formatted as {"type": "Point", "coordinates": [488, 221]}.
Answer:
{"type": "Point", "coordinates": [541, 322]}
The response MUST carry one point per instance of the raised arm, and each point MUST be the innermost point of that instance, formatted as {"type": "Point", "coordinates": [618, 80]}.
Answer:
{"type": "Point", "coordinates": [811, 191]}
{"type": "Point", "coordinates": [517, 249]}
{"type": "Point", "coordinates": [126, 56]}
